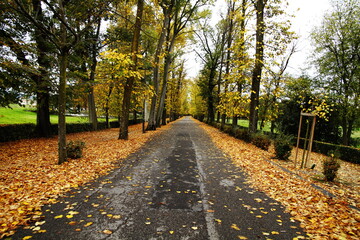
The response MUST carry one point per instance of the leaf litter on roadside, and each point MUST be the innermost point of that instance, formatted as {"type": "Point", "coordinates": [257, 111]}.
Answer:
{"type": "Point", "coordinates": [31, 177]}
{"type": "Point", "coordinates": [320, 216]}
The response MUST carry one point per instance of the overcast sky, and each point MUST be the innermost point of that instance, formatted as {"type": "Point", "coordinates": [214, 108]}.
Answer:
{"type": "Point", "coordinates": [308, 15]}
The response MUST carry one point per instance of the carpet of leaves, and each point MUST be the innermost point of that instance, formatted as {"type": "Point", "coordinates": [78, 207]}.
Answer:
{"type": "Point", "coordinates": [321, 217]}
{"type": "Point", "coordinates": [30, 176]}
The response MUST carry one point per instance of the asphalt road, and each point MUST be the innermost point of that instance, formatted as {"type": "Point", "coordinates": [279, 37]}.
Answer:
{"type": "Point", "coordinates": [178, 186]}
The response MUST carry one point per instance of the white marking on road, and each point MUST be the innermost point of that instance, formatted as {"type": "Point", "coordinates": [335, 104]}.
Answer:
{"type": "Point", "coordinates": [209, 216]}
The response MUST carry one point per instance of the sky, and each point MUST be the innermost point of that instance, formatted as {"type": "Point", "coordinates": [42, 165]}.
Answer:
{"type": "Point", "coordinates": [308, 14]}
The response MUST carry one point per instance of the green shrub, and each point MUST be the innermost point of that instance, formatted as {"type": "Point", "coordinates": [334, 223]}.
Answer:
{"type": "Point", "coordinates": [283, 146]}
{"type": "Point", "coordinates": [243, 134]}
{"type": "Point", "coordinates": [330, 167]}
{"type": "Point", "coordinates": [75, 149]}
{"type": "Point", "coordinates": [261, 141]}
{"type": "Point", "coordinates": [346, 153]}
{"type": "Point", "coordinates": [228, 129]}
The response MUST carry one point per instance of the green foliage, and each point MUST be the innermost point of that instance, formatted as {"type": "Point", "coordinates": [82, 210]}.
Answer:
{"type": "Point", "coordinates": [74, 149]}
{"type": "Point", "coordinates": [261, 141]}
{"type": "Point", "coordinates": [283, 146]}
{"type": "Point", "coordinates": [228, 129]}
{"type": "Point", "coordinates": [331, 166]}
{"type": "Point", "coordinates": [243, 134]}
{"type": "Point", "coordinates": [346, 153]}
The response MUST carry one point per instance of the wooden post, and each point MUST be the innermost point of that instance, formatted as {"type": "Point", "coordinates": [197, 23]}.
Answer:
{"type": "Point", "coordinates": [311, 140]}
{"type": "Point", "coordinates": [311, 137]}
{"type": "Point", "coordinates": [298, 139]}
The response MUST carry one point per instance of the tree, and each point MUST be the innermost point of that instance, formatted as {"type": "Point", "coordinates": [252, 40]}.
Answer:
{"type": "Point", "coordinates": [337, 58]}
{"type": "Point", "coordinates": [72, 22]}
{"type": "Point", "coordinates": [259, 6]}
{"type": "Point", "coordinates": [211, 44]}
{"type": "Point", "coordinates": [128, 86]}
{"type": "Point", "coordinates": [167, 7]}
{"type": "Point", "coordinates": [15, 26]}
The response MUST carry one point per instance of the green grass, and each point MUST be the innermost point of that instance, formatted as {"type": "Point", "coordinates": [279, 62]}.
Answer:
{"type": "Point", "coordinates": [19, 115]}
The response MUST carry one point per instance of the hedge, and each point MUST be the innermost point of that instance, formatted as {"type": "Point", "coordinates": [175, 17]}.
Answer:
{"type": "Point", "coordinates": [349, 154]}
{"type": "Point", "coordinates": [26, 131]}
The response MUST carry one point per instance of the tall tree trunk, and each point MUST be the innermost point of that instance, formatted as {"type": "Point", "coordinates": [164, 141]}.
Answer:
{"type": "Point", "coordinates": [259, 57]}
{"type": "Point", "coordinates": [128, 87]}
{"type": "Point", "coordinates": [43, 126]}
{"type": "Point", "coordinates": [64, 53]}
{"type": "Point", "coordinates": [152, 117]}
{"type": "Point", "coordinates": [91, 97]}
{"type": "Point", "coordinates": [168, 60]}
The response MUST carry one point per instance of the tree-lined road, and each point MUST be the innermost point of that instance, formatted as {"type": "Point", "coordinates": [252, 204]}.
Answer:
{"type": "Point", "coordinates": [178, 186]}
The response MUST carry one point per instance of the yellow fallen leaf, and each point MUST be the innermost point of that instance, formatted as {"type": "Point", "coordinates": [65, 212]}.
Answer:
{"type": "Point", "coordinates": [36, 228]}
{"type": "Point", "coordinates": [88, 224]}
{"type": "Point", "coordinates": [69, 216]}
{"type": "Point", "coordinates": [217, 220]}
{"type": "Point", "coordinates": [275, 232]}
{"type": "Point", "coordinates": [171, 232]}
{"type": "Point", "coordinates": [89, 215]}
{"type": "Point", "coordinates": [78, 229]}
{"type": "Point", "coordinates": [39, 223]}
{"type": "Point", "coordinates": [59, 216]}
{"type": "Point", "coordinates": [42, 231]}
{"type": "Point", "coordinates": [116, 216]}
{"type": "Point", "coordinates": [194, 228]}
{"type": "Point", "coordinates": [242, 237]}
{"type": "Point", "coordinates": [107, 231]}
{"type": "Point", "coordinates": [234, 226]}
{"type": "Point", "coordinates": [26, 237]}
{"type": "Point", "coordinates": [259, 216]}
{"type": "Point", "coordinates": [73, 213]}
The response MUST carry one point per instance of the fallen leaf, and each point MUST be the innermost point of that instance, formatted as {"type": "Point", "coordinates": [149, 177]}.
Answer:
{"type": "Point", "coordinates": [59, 216]}
{"type": "Point", "coordinates": [218, 221]}
{"type": "Point", "coordinates": [242, 237]}
{"type": "Point", "coordinates": [234, 226]}
{"type": "Point", "coordinates": [88, 224]}
{"type": "Point", "coordinates": [26, 237]}
{"type": "Point", "coordinates": [107, 231]}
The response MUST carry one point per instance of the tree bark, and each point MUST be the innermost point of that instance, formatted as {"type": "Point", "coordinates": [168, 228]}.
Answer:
{"type": "Point", "coordinates": [91, 97]}
{"type": "Point", "coordinates": [166, 22]}
{"type": "Point", "coordinates": [259, 57]}
{"type": "Point", "coordinates": [168, 60]}
{"type": "Point", "coordinates": [43, 126]}
{"type": "Point", "coordinates": [64, 53]}
{"type": "Point", "coordinates": [128, 87]}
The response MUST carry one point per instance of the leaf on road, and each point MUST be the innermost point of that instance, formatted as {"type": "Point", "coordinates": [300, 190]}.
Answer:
{"type": "Point", "coordinates": [107, 231]}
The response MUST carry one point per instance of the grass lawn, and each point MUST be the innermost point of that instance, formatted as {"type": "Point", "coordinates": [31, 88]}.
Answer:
{"type": "Point", "coordinates": [19, 115]}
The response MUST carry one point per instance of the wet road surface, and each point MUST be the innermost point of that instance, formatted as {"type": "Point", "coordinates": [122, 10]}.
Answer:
{"type": "Point", "coordinates": [178, 186]}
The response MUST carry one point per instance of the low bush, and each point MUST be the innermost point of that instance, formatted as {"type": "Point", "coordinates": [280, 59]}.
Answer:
{"type": "Point", "coordinates": [228, 129]}
{"type": "Point", "coordinates": [261, 141]}
{"type": "Point", "coordinates": [346, 153]}
{"type": "Point", "coordinates": [330, 167]}
{"type": "Point", "coordinates": [283, 146]}
{"type": "Point", "coordinates": [242, 134]}
{"type": "Point", "coordinates": [74, 149]}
